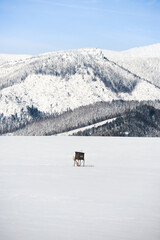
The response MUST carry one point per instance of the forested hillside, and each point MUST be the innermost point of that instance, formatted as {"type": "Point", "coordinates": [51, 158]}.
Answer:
{"type": "Point", "coordinates": [74, 119]}
{"type": "Point", "coordinates": [143, 121]}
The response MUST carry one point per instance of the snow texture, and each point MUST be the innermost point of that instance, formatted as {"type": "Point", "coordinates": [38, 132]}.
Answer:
{"type": "Point", "coordinates": [42, 196]}
{"type": "Point", "coordinates": [143, 61]}
{"type": "Point", "coordinates": [54, 82]}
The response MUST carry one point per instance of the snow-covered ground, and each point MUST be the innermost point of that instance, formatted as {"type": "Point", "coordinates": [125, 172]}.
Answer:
{"type": "Point", "coordinates": [42, 196]}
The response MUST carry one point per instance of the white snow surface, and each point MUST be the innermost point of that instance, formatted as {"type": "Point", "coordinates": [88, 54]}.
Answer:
{"type": "Point", "coordinates": [51, 94]}
{"type": "Point", "coordinates": [28, 80]}
{"type": "Point", "coordinates": [145, 52]}
{"type": "Point", "coordinates": [42, 196]}
{"type": "Point", "coordinates": [143, 61]}
{"type": "Point", "coordinates": [12, 58]}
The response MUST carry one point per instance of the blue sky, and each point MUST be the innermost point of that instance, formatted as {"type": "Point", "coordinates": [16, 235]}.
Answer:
{"type": "Point", "coordinates": [37, 26]}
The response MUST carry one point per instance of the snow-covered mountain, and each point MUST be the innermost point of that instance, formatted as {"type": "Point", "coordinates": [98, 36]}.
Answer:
{"type": "Point", "coordinates": [12, 58]}
{"type": "Point", "coordinates": [143, 61]}
{"type": "Point", "coordinates": [55, 82]}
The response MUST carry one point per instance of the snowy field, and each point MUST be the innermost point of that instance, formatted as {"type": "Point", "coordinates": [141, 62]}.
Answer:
{"type": "Point", "coordinates": [43, 197]}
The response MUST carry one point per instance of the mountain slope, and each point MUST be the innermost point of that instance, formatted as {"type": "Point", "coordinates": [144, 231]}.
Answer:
{"type": "Point", "coordinates": [143, 121]}
{"type": "Point", "coordinates": [143, 61]}
{"type": "Point", "coordinates": [57, 81]}
{"type": "Point", "coordinates": [53, 83]}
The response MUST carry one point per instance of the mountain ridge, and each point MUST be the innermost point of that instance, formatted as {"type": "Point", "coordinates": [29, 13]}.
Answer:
{"type": "Point", "coordinates": [54, 82]}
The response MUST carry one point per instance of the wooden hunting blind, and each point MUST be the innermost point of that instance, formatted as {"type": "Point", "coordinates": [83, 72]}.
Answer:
{"type": "Point", "coordinates": [78, 159]}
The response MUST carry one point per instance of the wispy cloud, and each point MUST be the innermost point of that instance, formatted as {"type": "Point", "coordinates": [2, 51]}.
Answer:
{"type": "Point", "coordinates": [61, 4]}
{"type": "Point", "coordinates": [85, 7]}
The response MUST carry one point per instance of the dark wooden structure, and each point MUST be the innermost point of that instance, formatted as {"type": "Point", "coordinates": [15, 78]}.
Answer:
{"type": "Point", "coordinates": [79, 159]}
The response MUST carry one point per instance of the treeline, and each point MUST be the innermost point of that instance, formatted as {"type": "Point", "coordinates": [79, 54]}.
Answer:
{"type": "Point", "coordinates": [21, 120]}
{"type": "Point", "coordinates": [143, 121]}
{"type": "Point", "coordinates": [36, 123]}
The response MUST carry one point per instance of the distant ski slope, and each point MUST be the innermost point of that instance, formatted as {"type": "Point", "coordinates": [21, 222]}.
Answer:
{"type": "Point", "coordinates": [70, 133]}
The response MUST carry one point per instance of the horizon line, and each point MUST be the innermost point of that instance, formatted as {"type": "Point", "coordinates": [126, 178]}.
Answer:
{"type": "Point", "coordinates": [74, 49]}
